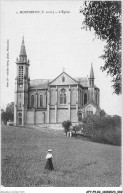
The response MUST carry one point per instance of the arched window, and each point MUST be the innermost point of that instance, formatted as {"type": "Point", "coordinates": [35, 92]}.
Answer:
{"type": "Point", "coordinates": [64, 99]}
{"type": "Point", "coordinates": [97, 98]}
{"type": "Point", "coordinates": [63, 96]}
{"type": "Point", "coordinates": [20, 73]}
{"type": "Point", "coordinates": [27, 71]}
{"type": "Point", "coordinates": [19, 114]}
{"type": "Point", "coordinates": [41, 100]}
{"type": "Point", "coordinates": [85, 98]}
{"type": "Point", "coordinates": [32, 101]}
{"type": "Point", "coordinates": [89, 111]}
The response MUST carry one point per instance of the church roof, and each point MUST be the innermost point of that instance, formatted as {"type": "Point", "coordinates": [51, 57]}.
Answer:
{"type": "Point", "coordinates": [83, 81]}
{"type": "Point", "coordinates": [91, 102]}
{"type": "Point", "coordinates": [57, 80]}
{"type": "Point", "coordinates": [43, 83]}
{"type": "Point", "coordinates": [40, 86]}
{"type": "Point", "coordinates": [39, 83]}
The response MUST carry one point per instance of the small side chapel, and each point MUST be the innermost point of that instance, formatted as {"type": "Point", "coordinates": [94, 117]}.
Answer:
{"type": "Point", "coordinates": [45, 101]}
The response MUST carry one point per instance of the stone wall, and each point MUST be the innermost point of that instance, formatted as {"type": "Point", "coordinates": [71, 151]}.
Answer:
{"type": "Point", "coordinates": [62, 115]}
{"type": "Point", "coordinates": [74, 117]}
{"type": "Point", "coordinates": [40, 117]}
{"type": "Point", "coordinates": [30, 117]}
{"type": "Point", "coordinates": [52, 116]}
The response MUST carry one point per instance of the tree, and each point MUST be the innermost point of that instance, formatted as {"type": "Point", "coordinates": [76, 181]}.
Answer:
{"type": "Point", "coordinates": [102, 113]}
{"type": "Point", "coordinates": [105, 18]}
{"type": "Point", "coordinates": [103, 129]}
{"type": "Point", "coordinates": [66, 125]}
{"type": "Point", "coordinates": [8, 114]}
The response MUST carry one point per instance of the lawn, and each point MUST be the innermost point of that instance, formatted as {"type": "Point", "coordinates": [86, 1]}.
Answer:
{"type": "Point", "coordinates": [77, 163]}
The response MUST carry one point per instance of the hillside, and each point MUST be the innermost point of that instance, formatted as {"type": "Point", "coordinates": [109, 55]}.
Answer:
{"type": "Point", "coordinates": [76, 162]}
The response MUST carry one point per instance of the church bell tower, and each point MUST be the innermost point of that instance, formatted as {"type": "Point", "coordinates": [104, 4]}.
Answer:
{"type": "Point", "coordinates": [21, 87]}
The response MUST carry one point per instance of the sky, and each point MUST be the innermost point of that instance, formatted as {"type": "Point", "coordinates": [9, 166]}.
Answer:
{"type": "Point", "coordinates": [54, 40]}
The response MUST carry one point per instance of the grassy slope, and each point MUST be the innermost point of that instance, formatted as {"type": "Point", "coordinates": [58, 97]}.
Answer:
{"type": "Point", "coordinates": [77, 162]}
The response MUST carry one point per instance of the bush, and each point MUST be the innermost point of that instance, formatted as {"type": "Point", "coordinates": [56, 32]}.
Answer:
{"type": "Point", "coordinates": [106, 129]}
{"type": "Point", "coordinates": [78, 127]}
{"type": "Point", "coordinates": [66, 125]}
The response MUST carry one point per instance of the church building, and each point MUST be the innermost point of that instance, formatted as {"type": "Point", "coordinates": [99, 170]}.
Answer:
{"type": "Point", "coordinates": [46, 101]}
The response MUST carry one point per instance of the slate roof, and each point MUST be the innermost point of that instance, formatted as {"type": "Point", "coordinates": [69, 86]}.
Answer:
{"type": "Point", "coordinates": [39, 83]}
{"type": "Point", "coordinates": [43, 83]}
{"type": "Point", "coordinates": [82, 81]}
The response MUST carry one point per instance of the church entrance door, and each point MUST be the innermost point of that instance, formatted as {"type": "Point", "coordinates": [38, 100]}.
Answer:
{"type": "Point", "coordinates": [20, 118]}
{"type": "Point", "coordinates": [80, 117]}
{"type": "Point", "coordinates": [20, 121]}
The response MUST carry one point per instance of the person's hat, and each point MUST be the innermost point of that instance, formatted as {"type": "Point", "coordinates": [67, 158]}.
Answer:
{"type": "Point", "coordinates": [49, 150]}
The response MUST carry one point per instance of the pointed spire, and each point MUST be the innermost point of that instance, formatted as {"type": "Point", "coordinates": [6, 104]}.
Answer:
{"type": "Point", "coordinates": [23, 50]}
{"type": "Point", "coordinates": [91, 78]}
{"type": "Point", "coordinates": [23, 40]}
{"type": "Point", "coordinates": [23, 56]}
{"type": "Point", "coordinates": [91, 72]}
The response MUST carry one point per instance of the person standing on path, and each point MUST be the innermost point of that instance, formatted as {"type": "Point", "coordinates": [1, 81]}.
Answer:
{"type": "Point", "coordinates": [49, 164]}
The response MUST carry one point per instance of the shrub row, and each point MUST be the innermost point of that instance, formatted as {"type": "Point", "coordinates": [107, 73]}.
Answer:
{"type": "Point", "coordinates": [104, 129]}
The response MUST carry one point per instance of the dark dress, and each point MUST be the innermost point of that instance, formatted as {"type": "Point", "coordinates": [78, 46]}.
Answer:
{"type": "Point", "coordinates": [49, 164]}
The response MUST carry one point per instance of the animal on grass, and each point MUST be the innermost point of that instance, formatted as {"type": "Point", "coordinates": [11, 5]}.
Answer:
{"type": "Point", "coordinates": [49, 163]}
